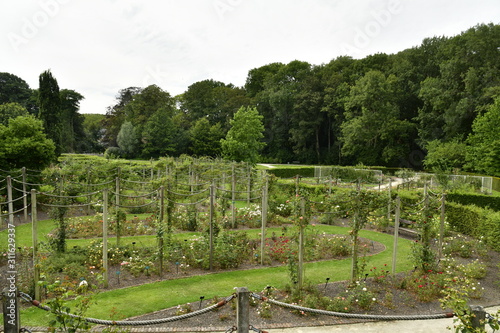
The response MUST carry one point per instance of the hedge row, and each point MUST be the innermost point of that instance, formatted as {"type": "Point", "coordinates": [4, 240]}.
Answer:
{"type": "Point", "coordinates": [475, 221]}
{"type": "Point", "coordinates": [292, 172]}
{"type": "Point", "coordinates": [344, 173]}
{"type": "Point", "coordinates": [480, 200]}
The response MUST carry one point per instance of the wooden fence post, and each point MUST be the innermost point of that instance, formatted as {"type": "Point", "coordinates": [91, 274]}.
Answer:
{"type": "Point", "coordinates": [161, 222]}
{"type": "Point", "coordinates": [243, 310]}
{"type": "Point", "coordinates": [34, 231]}
{"type": "Point", "coordinates": [212, 208]}
{"type": "Point", "coordinates": [105, 237]}
{"type": "Point", "coordinates": [233, 197]}
{"type": "Point", "coordinates": [25, 197]}
{"type": "Point", "coordinates": [396, 234]}
{"type": "Point", "coordinates": [441, 226]}
{"type": "Point", "coordinates": [265, 189]}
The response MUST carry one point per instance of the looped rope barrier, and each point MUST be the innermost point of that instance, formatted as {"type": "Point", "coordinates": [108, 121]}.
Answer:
{"type": "Point", "coordinates": [246, 192]}
{"type": "Point", "coordinates": [137, 206]}
{"type": "Point", "coordinates": [133, 181]}
{"type": "Point", "coordinates": [187, 203]}
{"type": "Point", "coordinates": [490, 318]}
{"type": "Point", "coordinates": [68, 206]}
{"type": "Point", "coordinates": [189, 185]}
{"type": "Point", "coordinates": [20, 190]}
{"type": "Point", "coordinates": [187, 194]}
{"type": "Point", "coordinates": [255, 329]}
{"type": "Point", "coordinates": [354, 315]}
{"type": "Point", "coordinates": [101, 184]}
{"type": "Point", "coordinates": [412, 205]}
{"type": "Point", "coordinates": [14, 200]}
{"type": "Point", "coordinates": [14, 212]}
{"type": "Point", "coordinates": [135, 196]}
{"type": "Point", "coordinates": [85, 195]}
{"type": "Point", "coordinates": [226, 300]}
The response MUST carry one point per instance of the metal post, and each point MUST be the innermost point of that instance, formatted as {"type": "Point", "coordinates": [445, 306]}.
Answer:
{"type": "Point", "coordinates": [243, 310]}
{"type": "Point", "coordinates": [479, 317]}
{"type": "Point", "coordinates": [396, 234]}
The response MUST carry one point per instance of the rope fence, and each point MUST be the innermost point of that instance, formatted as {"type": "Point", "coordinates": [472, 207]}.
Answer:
{"type": "Point", "coordinates": [226, 300]}
{"type": "Point", "coordinates": [353, 315]}
{"type": "Point", "coordinates": [243, 307]}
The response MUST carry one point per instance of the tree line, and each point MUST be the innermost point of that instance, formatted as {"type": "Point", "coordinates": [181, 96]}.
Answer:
{"type": "Point", "coordinates": [430, 106]}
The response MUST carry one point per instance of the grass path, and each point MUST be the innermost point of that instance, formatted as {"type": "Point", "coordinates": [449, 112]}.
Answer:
{"type": "Point", "coordinates": [155, 296]}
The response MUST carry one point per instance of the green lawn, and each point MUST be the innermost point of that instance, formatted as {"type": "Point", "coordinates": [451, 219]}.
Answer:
{"type": "Point", "coordinates": [146, 298]}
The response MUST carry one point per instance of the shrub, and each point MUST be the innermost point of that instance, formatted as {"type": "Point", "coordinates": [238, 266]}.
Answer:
{"type": "Point", "coordinates": [476, 222]}
{"type": "Point", "coordinates": [112, 153]}
{"type": "Point", "coordinates": [426, 286]}
{"type": "Point", "coordinates": [461, 246]}
{"type": "Point", "coordinates": [480, 200]}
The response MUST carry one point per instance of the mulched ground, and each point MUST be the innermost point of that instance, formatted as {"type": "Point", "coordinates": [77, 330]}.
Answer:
{"type": "Point", "coordinates": [401, 302]}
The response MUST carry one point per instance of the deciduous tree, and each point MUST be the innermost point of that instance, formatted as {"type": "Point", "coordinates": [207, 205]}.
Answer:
{"type": "Point", "coordinates": [483, 153]}
{"type": "Point", "coordinates": [243, 142]}
{"type": "Point", "coordinates": [23, 143]}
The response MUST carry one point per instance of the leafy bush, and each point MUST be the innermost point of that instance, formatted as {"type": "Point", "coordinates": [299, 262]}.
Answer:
{"type": "Point", "coordinates": [476, 222]}
{"type": "Point", "coordinates": [112, 153]}
{"type": "Point", "coordinates": [292, 172]}
{"type": "Point", "coordinates": [480, 200]}
{"type": "Point", "coordinates": [461, 246]}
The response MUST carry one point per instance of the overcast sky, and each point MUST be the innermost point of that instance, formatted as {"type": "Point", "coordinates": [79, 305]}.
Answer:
{"type": "Point", "coordinates": [98, 47]}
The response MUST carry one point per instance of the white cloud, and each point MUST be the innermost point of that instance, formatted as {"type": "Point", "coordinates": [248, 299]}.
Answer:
{"type": "Point", "coordinates": [98, 47]}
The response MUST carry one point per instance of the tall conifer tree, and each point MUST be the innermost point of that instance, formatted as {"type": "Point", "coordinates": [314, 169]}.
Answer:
{"type": "Point", "coordinates": [50, 108]}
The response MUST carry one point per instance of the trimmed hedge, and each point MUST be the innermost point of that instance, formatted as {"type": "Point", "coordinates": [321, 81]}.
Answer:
{"type": "Point", "coordinates": [292, 172]}
{"type": "Point", "coordinates": [475, 221]}
{"type": "Point", "coordinates": [480, 200]}
{"type": "Point", "coordinates": [344, 173]}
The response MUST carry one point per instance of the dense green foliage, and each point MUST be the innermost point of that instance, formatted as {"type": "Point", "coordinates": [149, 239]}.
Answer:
{"type": "Point", "coordinates": [480, 200]}
{"type": "Point", "coordinates": [385, 109]}
{"type": "Point", "coordinates": [484, 141]}
{"type": "Point", "coordinates": [432, 106]}
{"type": "Point", "coordinates": [11, 110]}
{"type": "Point", "coordinates": [50, 113]}
{"type": "Point", "coordinates": [13, 89]}
{"type": "Point", "coordinates": [58, 109]}
{"type": "Point", "coordinates": [291, 172]}
{"type": "Point", "coordinates": [243, 140]}
{"type": "Point", "coordinates": [23, 144]}
{"type": "Point", "coordinates": [475, 221]}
